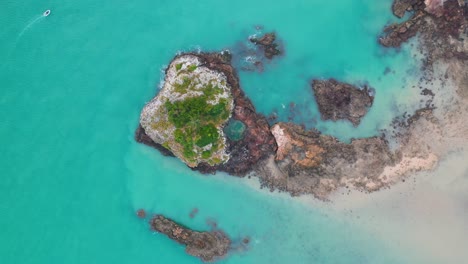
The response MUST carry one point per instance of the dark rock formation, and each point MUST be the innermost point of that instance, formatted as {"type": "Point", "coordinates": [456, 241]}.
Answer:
{"type": "Point", "coordinates": [309, 162]}
{"type": "Point", "coordinates": [337, 100]}
{"type": "Point", "coordinates": [400, 33]}
{"type": "Point", "coordinates": [399, 7]}
{"type": "Point", "coordinates": [268, 44]}
{"type": "Point", "coordinates": [141, 213]}
{"type": "Point", "coordinates": [257, 142]}
{"type": "Point", "coordinates": [439, 24]}
{"type": "Point", "coordinates": [208, 246]}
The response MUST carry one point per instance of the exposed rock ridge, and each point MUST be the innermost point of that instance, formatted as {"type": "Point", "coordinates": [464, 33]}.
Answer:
{"type": "Point", "coordinates": [337, 100]}
{"type": "Point", "coordinates": [268, 43]}
{"type": "Point", "coordinates": [441, 25]}
{"type": "Point", "coordinates": [208, 246]}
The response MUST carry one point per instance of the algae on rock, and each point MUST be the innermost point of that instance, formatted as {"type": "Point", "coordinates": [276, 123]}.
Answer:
{"type": "Point", "coordinates": [189, 113]}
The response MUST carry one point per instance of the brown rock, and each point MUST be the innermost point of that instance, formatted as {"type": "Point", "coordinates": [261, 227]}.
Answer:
{"type": "Point", "coordinates": [267, 42]}
{"type": "Point", "coordinates": [208, 246]}
{"type": "Point", "coordinates": [337, 100]}
{"type": "Point", "coordinates": [141, 213]}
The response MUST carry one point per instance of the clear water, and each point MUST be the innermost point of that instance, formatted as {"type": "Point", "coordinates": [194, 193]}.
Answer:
{"type": "Point", "coordinates": [235, 130]}
{"type": "Point", "coordinates": [73, 84]}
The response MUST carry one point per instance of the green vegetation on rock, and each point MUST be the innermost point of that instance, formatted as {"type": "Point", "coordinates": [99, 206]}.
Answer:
{"type": "Point", "coordinates": [196, 123]}
{"type": "Point", "coordinates": [188, 115]}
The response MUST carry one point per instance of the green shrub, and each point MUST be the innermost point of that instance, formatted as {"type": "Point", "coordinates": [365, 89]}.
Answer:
{"type": "Point", "coordinates": [182, 88]}
{"type": "Point", "coordinates": [196, 123]}
{"type": "Point", "coordinates": [209, 91]}
{"type": "Point", "coordinates": [207, 134]}
{"type": "Point", "coordinates": [192, 67]}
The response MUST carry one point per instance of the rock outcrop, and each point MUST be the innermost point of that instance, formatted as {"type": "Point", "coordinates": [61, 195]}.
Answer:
{"type": "Point", "coordinates": [439, 24]}
{"type": "Point", "coordinates": [188, 114]}
{"type": "Point", "coordinates": [308, 162]}
{"type": "Point", "coordinates": [257, 141]}
{"type": "Point", "coordinates": [337, 100]}
{"type": "Point", "coordinates": [400, 7]}
{"type": "Point", "coordinates": [208, 246]}
{"type": "Point", "coordinates": [268, 44]}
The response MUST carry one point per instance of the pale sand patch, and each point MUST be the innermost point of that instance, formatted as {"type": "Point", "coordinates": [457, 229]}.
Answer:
{"type": "Point", "coordinates": [425, 219]}
{"type": "Point", "coordinates": [407, 165]}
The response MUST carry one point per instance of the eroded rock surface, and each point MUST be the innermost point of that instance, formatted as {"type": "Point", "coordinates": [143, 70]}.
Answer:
{"type": "Point", "coordinates": [268, 44]}
{"type": "Point", "coordinates": [337, 100]}
{"type": "Point", "coordinates": [439, 24]}
{"type": "Point", "coordinates": [310, 162]}
{"type": "Point", "coordinates": [400, 7]}
{"type": "Point", "coordinates": [208, 246]}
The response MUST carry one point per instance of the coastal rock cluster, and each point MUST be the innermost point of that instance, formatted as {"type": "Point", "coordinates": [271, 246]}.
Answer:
{"type": "Point", "coordinates": [309, 162]}
{"type": "Point", "coordinates": [256, 52]}
{"type": "Point", "coordinates": [208, 246]}
{"type": "Point", "coordinates": [337, 100]}
{"type": "Point", "coordinates": [285, 156]}
{"type": "Point", "coordinates": [441, 25]}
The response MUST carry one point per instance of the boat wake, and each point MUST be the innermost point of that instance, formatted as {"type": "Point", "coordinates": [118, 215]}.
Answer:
{"type": "Point", "coordinates": [32, 22]}
{"type": "Point", "coordinates": [29, 25]}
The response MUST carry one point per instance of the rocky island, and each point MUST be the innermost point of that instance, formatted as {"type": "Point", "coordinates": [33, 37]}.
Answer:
{"type": "Point", "coordinates": [239, 136]}
{"type": "Point", "coordinates": [189, 112]}
{"type": "Point", "coordinates": [337, 100]}
{"type": "Point", "coordinates": [208, 246]}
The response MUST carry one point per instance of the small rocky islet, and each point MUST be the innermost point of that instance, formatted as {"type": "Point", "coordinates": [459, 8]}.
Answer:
{"type": "Point", "coordinates": [208, 245]}
{"type": "Point", "coordinates": [202, 116]}
{"type": "Point", "coordinates": [337, 100]}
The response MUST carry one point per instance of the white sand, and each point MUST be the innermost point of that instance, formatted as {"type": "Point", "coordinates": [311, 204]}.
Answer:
{"type": "Point", "coordinates": [425, 218]}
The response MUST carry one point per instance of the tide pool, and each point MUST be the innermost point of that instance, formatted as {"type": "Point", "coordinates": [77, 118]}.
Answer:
{"type": "Point", "coordinates": [73, 85]}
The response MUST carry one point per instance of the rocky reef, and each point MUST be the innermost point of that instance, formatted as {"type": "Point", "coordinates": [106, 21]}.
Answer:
{"type": "Point", "coordinates": [439, 23]}
{"type": "Point", "coordinates": [337, 100]}
{"type": "Point", "coordinates": [268, 43]}
{"type": "Point", "coordinates": [310, 162]}
{"type": "Point", "coordinates": [208, 246]}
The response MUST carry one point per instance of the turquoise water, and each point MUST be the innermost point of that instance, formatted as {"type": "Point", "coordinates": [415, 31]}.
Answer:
{"type": "Point", "coordinates": [73, 84]}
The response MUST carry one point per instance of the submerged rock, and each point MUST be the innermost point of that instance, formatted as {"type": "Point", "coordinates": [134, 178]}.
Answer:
{"type": "Point", "coordinates": [337, 100]}
{"type": "Point", "coordinates": [208, 246]}
{"type": "Point", "coordinates": [268, 44]}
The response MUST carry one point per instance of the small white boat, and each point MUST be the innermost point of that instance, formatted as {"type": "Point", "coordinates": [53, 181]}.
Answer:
{"type": "Point", "coordinates": [46, 13]}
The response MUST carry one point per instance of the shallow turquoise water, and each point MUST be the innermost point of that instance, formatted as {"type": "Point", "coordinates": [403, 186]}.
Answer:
{"type": "Point", "coordinates": [72, 86]}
